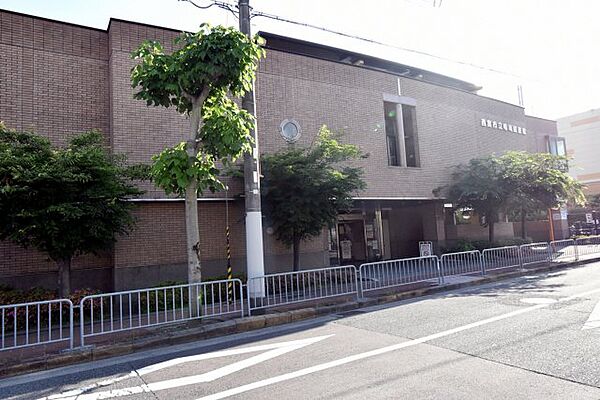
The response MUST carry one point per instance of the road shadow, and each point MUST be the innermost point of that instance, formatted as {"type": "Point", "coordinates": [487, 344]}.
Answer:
{"type": "Point", "coordinates": [536, 283]}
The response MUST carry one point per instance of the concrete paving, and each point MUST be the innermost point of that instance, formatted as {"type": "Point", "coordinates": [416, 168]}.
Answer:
{"type": "Point", "coordinates": [522, 338]}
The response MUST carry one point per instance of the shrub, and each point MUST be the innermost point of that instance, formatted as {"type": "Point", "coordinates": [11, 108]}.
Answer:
{"type": "Point", "coordinates": [469, 245]}
{"type": "Point", "coordinates": [36, 314]}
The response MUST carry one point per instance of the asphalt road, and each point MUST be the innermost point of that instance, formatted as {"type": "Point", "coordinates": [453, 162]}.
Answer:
{"type": "Point", "coordinates": [534, 337]}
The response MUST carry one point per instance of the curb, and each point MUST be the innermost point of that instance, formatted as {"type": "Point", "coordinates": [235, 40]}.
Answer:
{"type": "Point", "coordinates": [168, 337]}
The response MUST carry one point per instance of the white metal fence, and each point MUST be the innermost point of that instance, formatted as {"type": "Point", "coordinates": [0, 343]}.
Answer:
{"type": "Point", "coordinates": [121, 311]}
{"type": "Point", "coordinates": [52, 321]}
{"type": "Point", "coordinates": [588, 246]}
{"type": "Point", "coordinates": [501, 257]}
{"type": "Point", "coordinates": [386, 274]}
{"type": "Point", "coordinates": [36, 323]}
{"type": "Point", "coordinates": [534, 253]}
{"type": "Point", "coordinates": [462, 263]}
{"type": "Point", "coordinates": [295, 287]}
{"type": "Point", "coordinates": [564, 250]}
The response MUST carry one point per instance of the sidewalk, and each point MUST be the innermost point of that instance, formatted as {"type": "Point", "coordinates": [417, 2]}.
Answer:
{"type": "Point", "coordinates": [19, 361]}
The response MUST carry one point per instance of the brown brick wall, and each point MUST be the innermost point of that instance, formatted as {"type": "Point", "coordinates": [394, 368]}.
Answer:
{"type": "Point", "coordinates": [159, 237]}
{"type": "Point", "coordinates": [59, 79]}
{"type": "Point", "coordinates": [138, 130]}
{"type": "Point", "coordinates": [54, 81]}
{"type": "Point", "coordinates": [53, 77]}
{"type": "Point", "coordinates": [350, 99]}
{"type": "Point", "coordinates": [16, 261]}
{"type": "Point", "coordinates": [542, 128]}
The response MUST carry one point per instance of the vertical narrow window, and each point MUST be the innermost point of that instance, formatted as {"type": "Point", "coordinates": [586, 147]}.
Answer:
{"type": "Point", "coordinates": [391, 133]}
{"type": "Point", "coordinates": [411, 144]}
{"type": "Point", "coordinates": [401, 134]}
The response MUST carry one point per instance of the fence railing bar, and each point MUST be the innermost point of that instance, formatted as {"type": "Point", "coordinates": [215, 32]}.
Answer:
{"type": "Point", "coordinates": [278, 289]}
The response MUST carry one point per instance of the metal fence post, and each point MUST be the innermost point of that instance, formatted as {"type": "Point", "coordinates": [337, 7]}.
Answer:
{"type": "Point", "coordinates": [361, 281]}
{"type": "Point", "coordinates": [576, 250]}
{"type": "Point", "coordinates": [358, 285]}
{"type": "Point", "coordinates": [242, 298]}
{"type": "Point", "coordinates": [81, 326]}
{"type": "Point", "coordinates": [440, 272]}
{"type": "Point", "coordinates": [71, 325]}
{"type": "Point", "coordinates": [248, 297]}
{"type": "Point", "coordinates": [520, 254]}
{"type": "Point", "coordinates": [482, 261]}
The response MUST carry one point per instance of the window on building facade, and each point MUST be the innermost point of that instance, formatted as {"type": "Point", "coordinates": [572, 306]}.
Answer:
{"type": "Point", "coordinates": [401, 134]}
{"type": "Point", "coordinates": [557, 146]}
{"type": "Point", "coordinates": [409, 121]}
{"type": "Point", "coordinates": [290, 130]}
{"type": "Point", "coordinates": [391, 133]}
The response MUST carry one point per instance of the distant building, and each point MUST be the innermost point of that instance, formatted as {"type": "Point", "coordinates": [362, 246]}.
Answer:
{"type": "Point", "coordinates": [582, 134]}
{"type": "Point", "coordinates": [59, 79]}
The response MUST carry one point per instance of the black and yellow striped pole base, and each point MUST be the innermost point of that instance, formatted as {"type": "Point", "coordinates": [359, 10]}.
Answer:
{"type": "Point", "coordinates": [229, 271]}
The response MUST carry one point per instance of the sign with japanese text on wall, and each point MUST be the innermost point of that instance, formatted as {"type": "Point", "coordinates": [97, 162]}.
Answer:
{"type": "Point", "coordinates": [425, 248]}
{"type": "Point", "coordinates": [503, 126]}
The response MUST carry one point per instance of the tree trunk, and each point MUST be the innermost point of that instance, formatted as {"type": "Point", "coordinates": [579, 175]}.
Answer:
{"type": "Point", "coordinates": [491, 233]}
{"type": "Point", "coordinates": [523, 219]}
{"type": "Point", "coordinates": [296, 251]}
{"type": "Point", "coordinates": [64, 278]}
{"type": "Point", "coordinates": [194, 270]}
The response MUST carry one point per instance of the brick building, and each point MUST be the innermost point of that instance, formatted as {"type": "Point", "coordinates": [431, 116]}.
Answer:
{"type": "Point", "coordinates": [581, 134]}
{"type": "Point", "coordinates": [59, 79]}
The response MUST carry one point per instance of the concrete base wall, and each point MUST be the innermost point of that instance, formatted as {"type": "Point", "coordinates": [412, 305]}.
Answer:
{"type": "Point", "coordinates": [503, 230]}
{"type": "Point", "coordinates": [97, 278]}
{"type": "Point", "coordinates": [152, 275]}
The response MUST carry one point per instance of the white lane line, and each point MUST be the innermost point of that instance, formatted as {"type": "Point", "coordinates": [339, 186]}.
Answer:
{"type": "Point", "coordinates": [275, 350]}
{"type": "Point", "coordinates": [594, 319]}
{"type": "Point", "coordinates": [226, 353]}
{"type": "Point", "coordinates": [383, 350]}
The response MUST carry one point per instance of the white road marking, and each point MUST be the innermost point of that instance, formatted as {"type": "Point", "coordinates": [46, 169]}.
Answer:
{"type": "Point", "coordinates": [594, 319]}
{"type": "Point", "coordinates": [383, 350]}
{"type": "Point", "coordinates": [538, 300]}
{"type": "Point", "coordinates": [274, 350]}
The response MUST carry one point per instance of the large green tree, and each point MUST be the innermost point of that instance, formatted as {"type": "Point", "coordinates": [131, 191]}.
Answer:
{"type": "Point", "coordinates": [538, 181]}
{"type": "Point", "coordinates": [62, 201]}
{"type": "Point", "coordinates": [196, 79]}
{"type": "Point", "coordinates": [304, 189]}
{"type": "Point", "coordinates": [527, 181]}
{"type": "Point", "coordinates": [478, 185]}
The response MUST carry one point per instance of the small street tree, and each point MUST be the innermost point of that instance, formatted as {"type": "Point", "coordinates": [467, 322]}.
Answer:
{"type": "Point", "coordinates": [538, 181]}
{"type": "Point", "coordinates": [195, 79]}
{"type": "Point", "coordinates": [62, 201]}
{"type": "Point", "coordinates": [478, 185]}
{"type": "Point", "coordinates": [304, 189]}
{"type": "Point", "coordinates": [527, 181]}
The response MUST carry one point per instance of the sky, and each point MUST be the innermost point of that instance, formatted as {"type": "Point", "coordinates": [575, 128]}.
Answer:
{"type": "Point", "coordinates": [549, 47]}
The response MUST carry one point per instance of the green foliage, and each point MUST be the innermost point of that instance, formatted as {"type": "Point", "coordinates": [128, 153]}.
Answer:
{"type": "Point", "coordinates": [204, 68]}
{"type": "Point", "coordinates": [304, 189]}
{"type": "Point", "coordinates": [478, 185]}
{"type": "Point", "coordinates": [173, 170]}
{"type": "Point", "coordinates": [469, 245]}
{"type": "Point", "coordinates": [66, 201]}
{"type": "Point", "coordinates": [526, 181]}
{"type": "Point", "coordinates": [220, 58]}
{"type": "Point", "coordinates": [9, 295]}
{"type": "Point", "coordinates": [539, 180]}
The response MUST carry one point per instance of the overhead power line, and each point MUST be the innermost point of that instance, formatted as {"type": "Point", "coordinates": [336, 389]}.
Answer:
{"type": "Point", "coordinates": [220, 4]}
{"type": "Point", "coordinates": [230, 7]}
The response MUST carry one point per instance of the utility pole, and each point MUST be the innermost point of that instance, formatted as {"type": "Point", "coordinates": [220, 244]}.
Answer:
{"type": "Point", "coordinates": [255, 264]}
